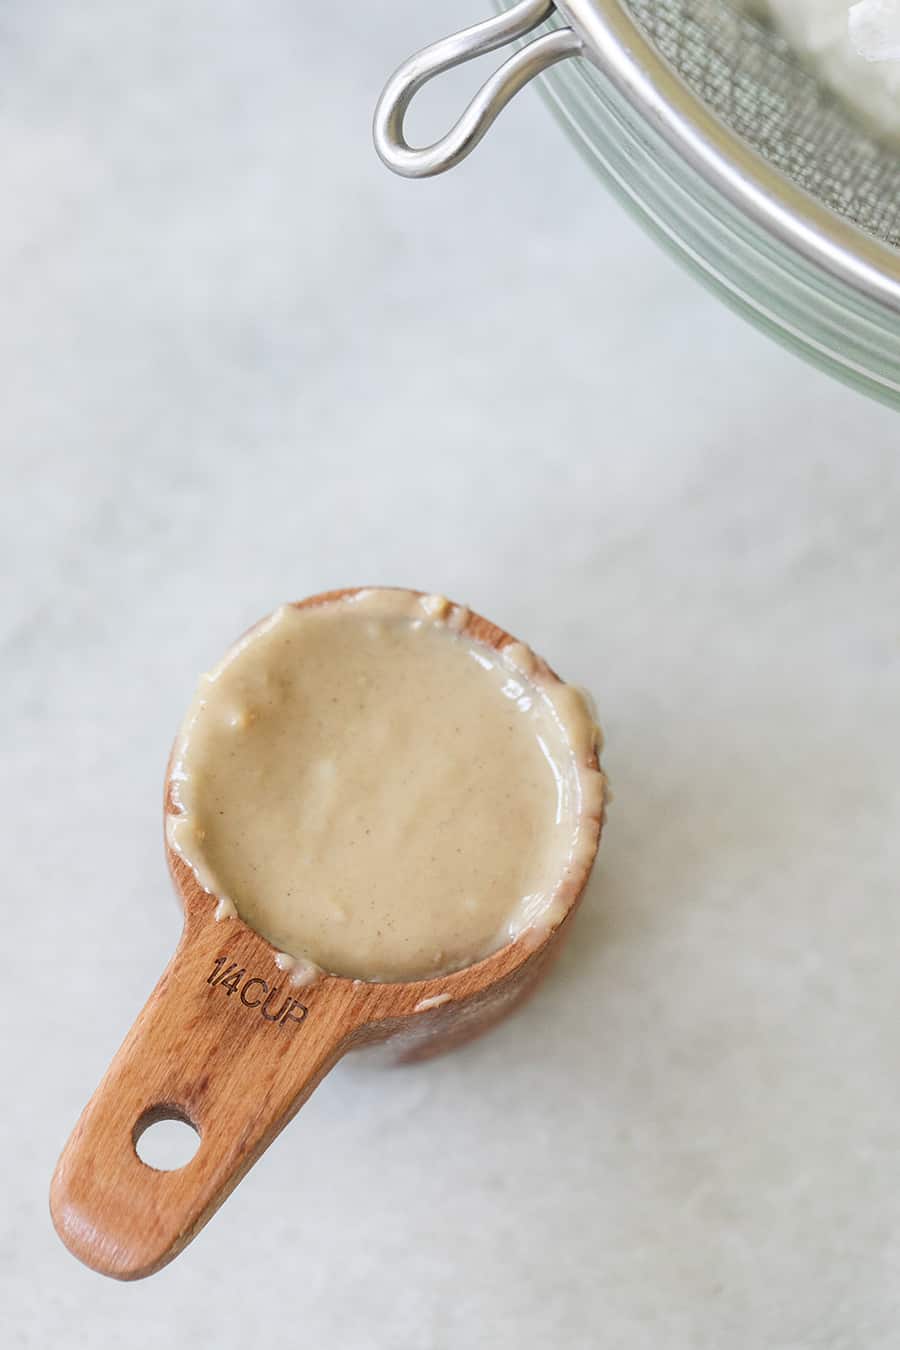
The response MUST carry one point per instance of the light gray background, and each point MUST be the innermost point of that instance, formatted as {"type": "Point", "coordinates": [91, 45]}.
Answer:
{"type": "Point", "coordinates": [241, 362]}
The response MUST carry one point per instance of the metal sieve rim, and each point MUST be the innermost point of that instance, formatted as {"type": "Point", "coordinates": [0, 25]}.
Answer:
{"type": "Point", "coordinates": [616, 45]}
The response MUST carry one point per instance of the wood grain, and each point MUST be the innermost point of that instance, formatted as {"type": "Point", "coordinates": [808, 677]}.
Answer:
{"type": "Point", "coordinates": [237, 1056]}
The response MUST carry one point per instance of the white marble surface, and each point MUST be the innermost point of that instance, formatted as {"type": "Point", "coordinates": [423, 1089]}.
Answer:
{"type": "Point", "coordinates": [241, 362]}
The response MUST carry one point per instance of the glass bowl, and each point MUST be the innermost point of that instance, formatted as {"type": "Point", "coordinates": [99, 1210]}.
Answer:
{"type": "Point", "coordinates": [848, 329]}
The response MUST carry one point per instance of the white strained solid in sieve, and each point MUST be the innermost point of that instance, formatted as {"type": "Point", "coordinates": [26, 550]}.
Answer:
{"type": "Point", "coordinates": [874, 29]}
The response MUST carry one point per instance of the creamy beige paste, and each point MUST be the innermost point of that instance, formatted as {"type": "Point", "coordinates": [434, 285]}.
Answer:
{"type": "Point", "coordinates": [381, 796]}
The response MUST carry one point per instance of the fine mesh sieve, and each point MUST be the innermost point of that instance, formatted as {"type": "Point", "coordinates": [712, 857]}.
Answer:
{"type": "Point", "coordinates": [750, 78]}
{"type": "Point", "coordinates": [738, 130]}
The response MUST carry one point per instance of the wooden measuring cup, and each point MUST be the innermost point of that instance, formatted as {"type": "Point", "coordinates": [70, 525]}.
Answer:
{"type": "Point", "coordinates": [227, 1044]}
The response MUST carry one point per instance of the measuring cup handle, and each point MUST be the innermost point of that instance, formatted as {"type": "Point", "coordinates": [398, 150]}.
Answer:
{"type": "Point", "coordinates": [225, 1043]}
{"type": "Point", "coordinates": [491, 99]}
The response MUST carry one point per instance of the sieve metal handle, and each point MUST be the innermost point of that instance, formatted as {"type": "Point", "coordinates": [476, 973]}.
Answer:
{"type": "Point", "coordinates": [491, 99]}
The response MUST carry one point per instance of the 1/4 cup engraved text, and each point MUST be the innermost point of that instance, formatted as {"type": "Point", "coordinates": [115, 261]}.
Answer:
{"type": "Point", "coordinates": [254, 992]}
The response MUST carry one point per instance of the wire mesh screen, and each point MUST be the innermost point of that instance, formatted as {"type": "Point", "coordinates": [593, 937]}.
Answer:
{"type": "Point", "coordinates": [752, 81]}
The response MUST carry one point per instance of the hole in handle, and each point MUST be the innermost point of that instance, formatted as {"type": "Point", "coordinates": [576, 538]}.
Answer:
{"type": "Point", "coordinates": [493, 96]}
{"type": "Point", "coordinates": [165, 1138]}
